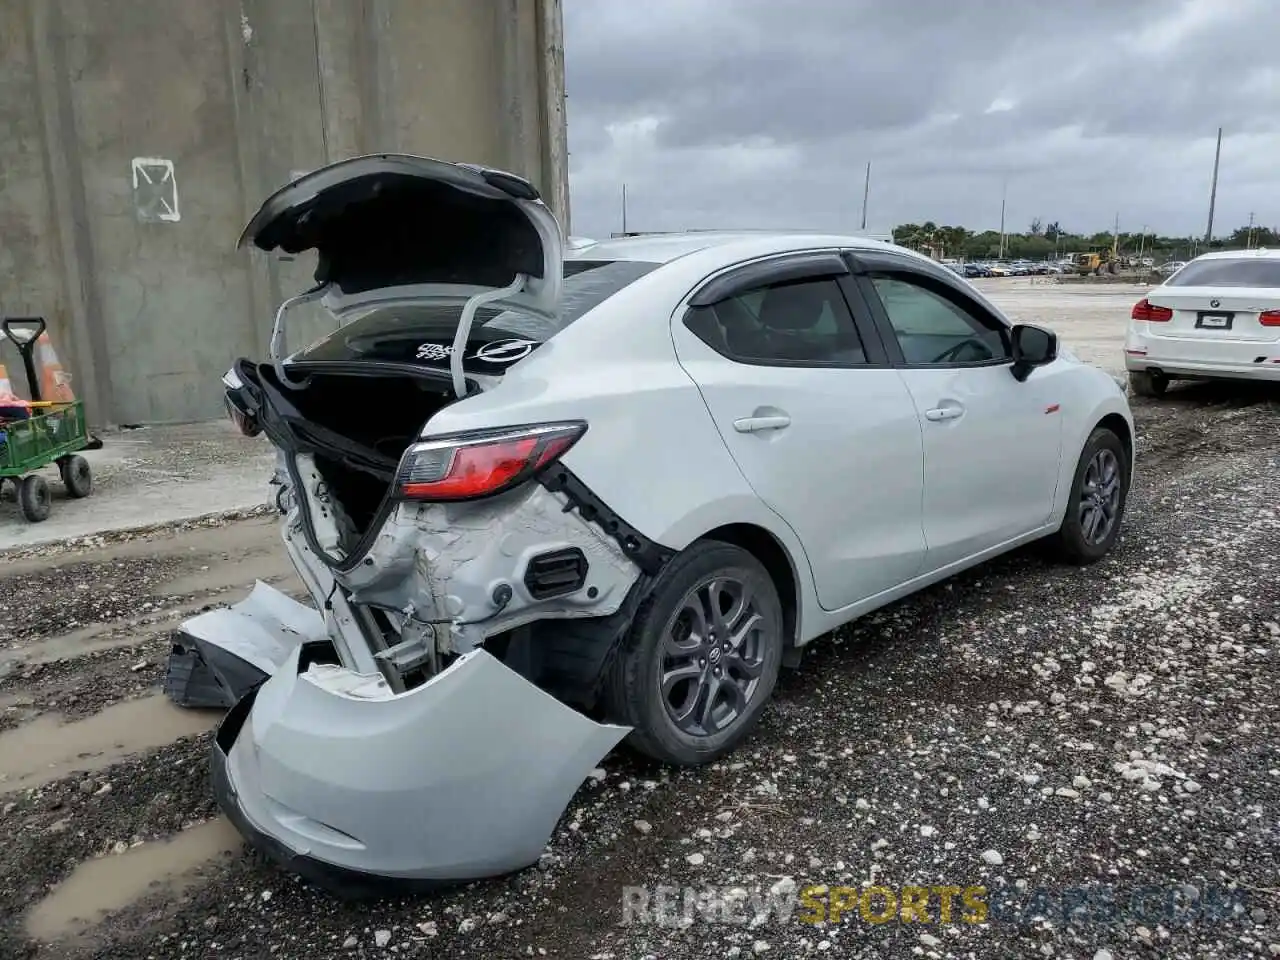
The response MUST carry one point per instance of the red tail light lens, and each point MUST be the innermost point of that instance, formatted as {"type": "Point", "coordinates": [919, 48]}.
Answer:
{"type": "Point", "coordinates": [1269, 318]}
{"type": "Point", "coordinates": [481, 464]}
{"type": "Point", "coordinates": [1144, 310]}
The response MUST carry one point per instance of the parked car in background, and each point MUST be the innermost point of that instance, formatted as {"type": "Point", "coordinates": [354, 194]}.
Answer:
{"type": "Point", "coordinates": [511, 574]}
{"type": "Point", "coordinates": [1218, 317]}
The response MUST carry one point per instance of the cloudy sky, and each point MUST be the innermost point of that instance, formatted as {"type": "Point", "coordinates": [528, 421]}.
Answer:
{"type": "Point", "coordinates": [764, 113]}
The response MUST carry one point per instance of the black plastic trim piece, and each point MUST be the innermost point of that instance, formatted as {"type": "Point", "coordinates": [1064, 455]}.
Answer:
{"type": "Point", "coordinates": [805, 266]}
{"type": "Point", "coordinates": [649, 556]}
{"type": "Point", "coordinates": [556, 573]}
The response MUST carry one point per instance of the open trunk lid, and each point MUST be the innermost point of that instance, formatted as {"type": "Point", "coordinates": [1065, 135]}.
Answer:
{"type": "Point", "coordinates": [394, 227]}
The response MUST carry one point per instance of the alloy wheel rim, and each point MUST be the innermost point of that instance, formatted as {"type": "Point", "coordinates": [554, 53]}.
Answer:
{"type": "Point", "coordinates": [713, 652]}
{"type": "Point", "coordinates": [1100, 497]}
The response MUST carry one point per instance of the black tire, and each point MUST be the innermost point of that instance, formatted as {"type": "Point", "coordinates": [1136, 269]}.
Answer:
{"type": "Point", "coordinates": [1074, 541]}
{"type": "Point", "coordinates": [34, 498]}
{"type": "Point", "coordinates": [1146, 383]}
{"type": "Point", "coordinates": [634, 686]}
{"type": "Point", "coordinates": [76, 476]}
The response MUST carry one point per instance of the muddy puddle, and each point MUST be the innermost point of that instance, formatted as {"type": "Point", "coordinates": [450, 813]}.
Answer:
{"type": "Point", "coordinates": [106, 885]}
{"type": "Point", "coordinates": [47, 749]}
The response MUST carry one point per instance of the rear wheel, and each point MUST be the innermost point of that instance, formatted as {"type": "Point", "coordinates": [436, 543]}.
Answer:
{"type": "Point", "coordinates": [1148, 383]}
{"type": "Point", "coordinates": [701, 658]}
{"type": "Point", "coordinates": [1099, 492]}
{"type": "Point", "coordinates": [76, 476]}
{"type": "Point", "coordinates": [34, 498]}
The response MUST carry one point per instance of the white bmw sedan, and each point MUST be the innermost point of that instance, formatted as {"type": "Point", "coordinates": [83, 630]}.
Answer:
{"type": "Point", "coordinates": [1216, 318]}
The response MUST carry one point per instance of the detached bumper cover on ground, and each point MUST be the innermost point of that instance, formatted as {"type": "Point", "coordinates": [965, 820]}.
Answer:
{"type": "Point", "coordinates": [363, 792]}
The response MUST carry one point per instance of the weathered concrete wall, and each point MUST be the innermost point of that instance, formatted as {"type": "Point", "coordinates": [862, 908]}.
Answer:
{"type": "Point", "coordinates": [140, 135]}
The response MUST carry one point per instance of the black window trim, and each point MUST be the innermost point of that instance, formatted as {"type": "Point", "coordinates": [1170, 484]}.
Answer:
{"type": "Point", "coordinates": [942, 282]}
{"type": "Point", "coordinates": [795, 267]}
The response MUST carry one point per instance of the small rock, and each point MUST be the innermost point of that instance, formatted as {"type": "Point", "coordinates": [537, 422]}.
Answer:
{"type": "Point", "coordinates": [429, 929]}
{"type": "Point", "coordinates": [1103, 954]}
{"type": "Point", "coordinates": [929, 940]}
{"type": "Point", "coordinates": [88, 785]}
{"type": "Point", "coordinates": [467, 925]}
{"type": "Point", "coordinates": [783, 887]}
{"type": "Point", "coordinates": [210, 922]}
{"type": "Point", "coordinates": [862, 804]}
{"type": "Point", "coordinates": [1192, 787]}
{"type": "Point", "coordinates": [381, 938]}
{"type": "Point", "coordinates": [497, 918]}
{"type": "Point", "coordinates": [760, 946]}
{"type": "Point", "coordinates": [1067, 792]}
{"type": "Point", "coordinates": [992, 858]}
{"type": "Point", "coordinates": [350, 943]}
{"type": "Point", "coordinates": [1258, 915]}
{"type": "Point", "coordinates": [928, 831]}
{"type": "Point", "coordinates": [643, 827]}
{"type": "Point", "coordinates": [696, 859]}
{"type": "Point", "coordinates": [266, 895]}
{"type": "Point", "coordinates": [597, 774]}
{"type": "Point", "coordinates": [1081, 783]}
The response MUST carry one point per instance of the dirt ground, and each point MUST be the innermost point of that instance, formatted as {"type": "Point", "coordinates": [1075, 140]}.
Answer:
{"type": "Point", "coordinates": [1027, 728]}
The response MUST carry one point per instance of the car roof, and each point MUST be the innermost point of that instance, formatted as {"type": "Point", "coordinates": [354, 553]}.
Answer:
{"type": "Point", "coordinates": [1258, 253]}
{"type": "Point", "coordinates": [665, 247]}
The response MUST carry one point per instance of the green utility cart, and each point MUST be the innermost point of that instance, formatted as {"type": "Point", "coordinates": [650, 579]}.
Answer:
{"type": "Point", "coordinates": [40, 432]}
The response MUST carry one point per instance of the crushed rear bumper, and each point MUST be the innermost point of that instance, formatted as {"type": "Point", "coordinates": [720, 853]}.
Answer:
{"type": "Point", "coordinates": [367, 792]}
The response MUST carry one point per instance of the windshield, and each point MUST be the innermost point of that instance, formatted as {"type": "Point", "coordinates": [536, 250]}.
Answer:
{"type": "Point", "coordinates": [422, 332]}
{"type": "Point", "coordinates": [1251, 272]}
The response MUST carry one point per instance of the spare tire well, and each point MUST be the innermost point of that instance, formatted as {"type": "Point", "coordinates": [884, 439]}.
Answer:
{"type": "Point", "coordinates": [761, 544]}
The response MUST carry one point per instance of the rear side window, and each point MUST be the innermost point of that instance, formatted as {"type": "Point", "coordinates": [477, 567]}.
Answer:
{"type": "Point", "coordinates": [798, 323]}
{"type": "Point", "coordinates": [422, 333]}
{"type": "Point", "coordinates": [1249, 272]}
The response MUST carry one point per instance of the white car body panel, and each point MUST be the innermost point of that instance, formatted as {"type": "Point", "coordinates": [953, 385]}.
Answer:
{"type": "Point", "coordinates": [992, 468]}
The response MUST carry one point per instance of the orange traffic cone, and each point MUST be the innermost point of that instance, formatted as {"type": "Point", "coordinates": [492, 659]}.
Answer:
{"type": "Point", "coordinates": [55, 383]}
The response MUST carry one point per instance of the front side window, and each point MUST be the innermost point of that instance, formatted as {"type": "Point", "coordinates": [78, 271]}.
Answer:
{"type": "Point", "coordinates": [934, 328]}
{"type": "Point", "coordinates": [805, 322]}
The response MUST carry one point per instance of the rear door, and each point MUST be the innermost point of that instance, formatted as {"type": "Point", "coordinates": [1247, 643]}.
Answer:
{"type": "Point", "coordinates": [991, 443]}
{"type": "Point", "coordinates": [821, 426]}
{"type": "Point", "coordinates": [1223, 310]}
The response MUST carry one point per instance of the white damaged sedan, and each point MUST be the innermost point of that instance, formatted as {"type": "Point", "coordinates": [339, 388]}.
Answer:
{"type": "Point", "coordinates": [547, 497]}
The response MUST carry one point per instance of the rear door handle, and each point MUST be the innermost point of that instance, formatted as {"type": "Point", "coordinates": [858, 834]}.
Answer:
{"type": "Point", "coordinates": [760, 424]}
{"type": "Point", "coordinates": [948, 411]}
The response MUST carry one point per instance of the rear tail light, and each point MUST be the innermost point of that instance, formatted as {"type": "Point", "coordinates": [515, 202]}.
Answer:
{"type": "Point", "coordinates": [1145, 310]}
{"type": "Point", "coordinates": [1269, 318]}
{"type": "Point", "coordinates": [480, 464]}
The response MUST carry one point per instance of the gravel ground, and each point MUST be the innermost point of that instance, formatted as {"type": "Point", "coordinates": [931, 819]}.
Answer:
{"type": "Point", "coordinates": [1025, 728]}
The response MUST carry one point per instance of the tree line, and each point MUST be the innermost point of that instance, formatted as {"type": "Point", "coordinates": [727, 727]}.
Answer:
{"type": "Point", "coordinates": [1047, 241]}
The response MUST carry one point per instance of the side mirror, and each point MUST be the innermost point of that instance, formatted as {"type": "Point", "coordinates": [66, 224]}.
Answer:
{"type": "Point", "coordinates": [1032, 347]}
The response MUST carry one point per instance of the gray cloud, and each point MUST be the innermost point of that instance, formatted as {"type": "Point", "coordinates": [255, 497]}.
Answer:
{"type": "Point", "coordinates": [756, 113]}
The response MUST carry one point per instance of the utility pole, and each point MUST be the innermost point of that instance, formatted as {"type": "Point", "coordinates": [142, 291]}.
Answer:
{"type": "Point", "coordinates": [866, 190]}
{"type": "Point", "coordinates": [624, 209]}
{"type": "Point", "coordinates": [1250, 230]}
{"type": "Point", "coordinates": [1004, 195]}
{"type": "Point", "coordinates": [1142, 243]}
{"type": "Point", "coordinates": [1213, 190]}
